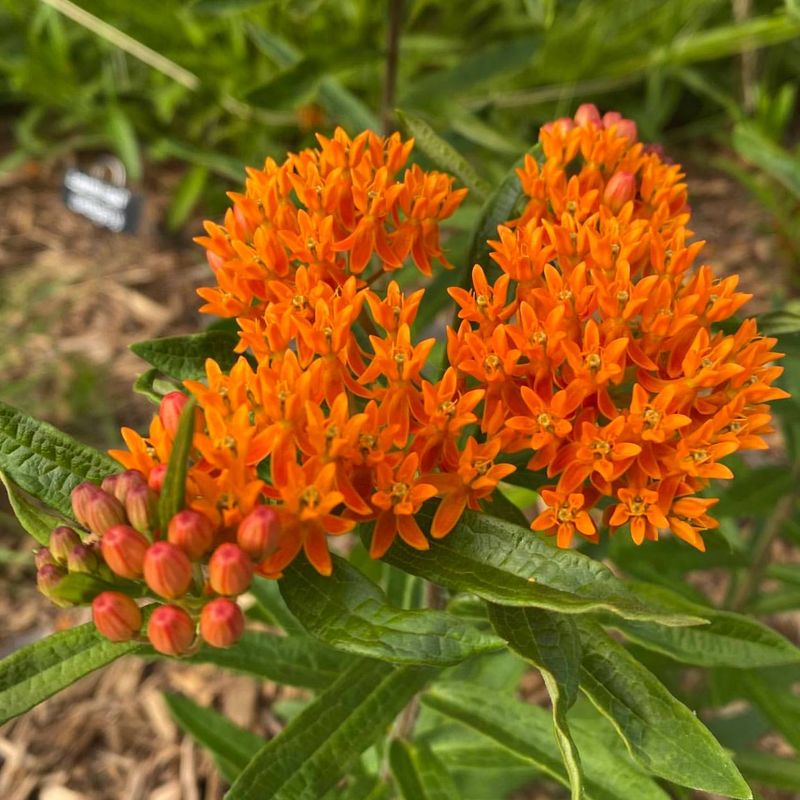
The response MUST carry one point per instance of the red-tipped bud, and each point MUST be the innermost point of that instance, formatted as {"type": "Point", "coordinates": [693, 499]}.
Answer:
{"type": "Point", "coordinates": [120, 484]}
{"type": "Point", "coordinates": [47, 580]}
{"type": "Point", "coordinates": [619, 190]}
{"type": "Point", "coordinates": [62, 540]}
{"type": "Point", "coordinates": [623, 127]}
{"type": "Point", "coordinates": [230, 569]}
{"type": "Point", "coordinates": [156, 478]}
{"type": "Point", "coordinates": [588, 113]}
{"type": "Point", "coordinates": [123, 549]}
{"type": "Point", "coordinates": [171, 630]}
{"type": "Point", "coordinates": [170, 410]}
{"type": "Point", "coordinates": [140, 505]}
{"type": "Point", "coordinates": [258, 532]}
{"type": "Point", "coordinates": [102, 511]}
{"type": "Point", "coordinates": [116, 616]}
{"type": "Point", "coordinates": [167, 570]}
{"type": "Point", "coordinates": [221, 622]}
{"type": "Point", "coordinates": [82, 558]}
{"type": "Point", "coordinates": [192, 532]}
{"type": "Point", "coordinates": [43, 557]}
{"type": "Point", "coordinates": [81, 496]}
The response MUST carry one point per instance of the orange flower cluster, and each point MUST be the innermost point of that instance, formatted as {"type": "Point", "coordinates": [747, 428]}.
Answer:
{"type": "Point", "coordinates": [597, 346]}
{"type": "Point", "coordinates": [594, 350]}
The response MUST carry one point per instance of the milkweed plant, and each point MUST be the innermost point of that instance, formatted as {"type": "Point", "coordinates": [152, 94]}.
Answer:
{"type": "Point", "coordinates": [327, 498]}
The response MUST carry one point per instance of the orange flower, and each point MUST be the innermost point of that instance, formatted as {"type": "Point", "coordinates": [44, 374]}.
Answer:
{"type": "Point", "coordinates": [639, 507]}
{"type": "Point", "coordinates": [565, 514]}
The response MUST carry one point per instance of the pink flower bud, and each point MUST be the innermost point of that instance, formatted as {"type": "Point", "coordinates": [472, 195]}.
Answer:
{"type": "Point", "coordinates": [81, 496]}
{"type": "Point", "coordinates": [116, 616]}
{"type": "Point", "coordinates": [141, 504]}
{"type": "Point", "coordinates": [82, 558]}
{"type": "Point", "coordinates": [192, 532]}
{"type": "Point", "coordinates": [620, 189]}
{"type": "Point", "coordinates": [170, 410]}
{"type": "Point", "coordinates": [167, 570]}
{"type": "Point", "coordinates": [62, 540]}
{"type": "Point", "coordinates": [170, 630]}
{"type": "Point", "coordinates": [43, 557]}
{"type": "Point", "coordinates": [587, 113]}
{"type": "Point", "coordinates": [47, 580]}
{"type": "Point", "coordinates": [230, 569]}
{"type": "Point", "coordinates": [102, 511]}
{"type": "Point", "coordinates": [257, 532]}
{"type": "Point", "coordinates": [221, 622]}
{"type": "Point", "coordinates": [120, 484]}
{"type": "Point", "coordinates": [156, 479]}
{"type": "Point", "coordinates": [124, 549]}
{"type": "Point", "coordinates": [623, 127]}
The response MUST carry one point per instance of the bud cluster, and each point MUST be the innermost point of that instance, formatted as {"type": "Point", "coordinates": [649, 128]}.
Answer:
{"type": "Point", "coordinates": [192, 568]}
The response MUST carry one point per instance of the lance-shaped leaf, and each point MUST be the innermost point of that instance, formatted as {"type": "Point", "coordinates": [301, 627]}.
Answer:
{"type": "Point", "coordinates": [510, 565]}
{"type": "Point", "coordinates": [45, 462]}
{"type": "Point", "coordinates": [291, 660]}
{"type": "Point", "coordinates": [551, 643]}
{"type": "Point", "coordinates": [661, 733]}
{"type": "Point", "coordinates": [770, 770]}
{"type": "Point", "coordinates": [527, 732]}
{"type": "Point", "coordinates": [730, 640]}
{"type": "Point", "coordinates": [231, 746]}
{"type": "Point", "coordinates": [38, 671]}
{"type": "Point", "coordinates": [184, 357]}
{"type": "Point", "coordinates": [34, 520]}
{"type": "Point", "coordinates": [173, 491]}
{"type": "Point", "coordinates": [316, 748]}
{"type": "Point", "coordinates": [442, 153]}
{"type": "Point", "coordinates": [419, 773]}
{"type": "Point", "coordinates": [349, 612]}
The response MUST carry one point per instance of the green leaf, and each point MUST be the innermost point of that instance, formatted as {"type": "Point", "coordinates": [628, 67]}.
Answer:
{"type": "Point", "coordinates": [442, 153]}
{"type": "Point", "coordinates": [551, 643]}
{"type": "Point", "coordinates": [123, 139]}
{"type": "Point", "coordinates": [173, 491]}
{"type": "Point", "coordinates": [186, 196]}
{"type": "Point", "coordinates": [225, 6]}
{"type": "Point", "coordinates": [527, 731]}
{"type": "Point", "coordinates": [35, 521]}
{"type": "Point", "coordinates": [45, 462]}
{"type": "Point", "coordinates": [769, 157]}
{"type": "Point", "coordinates": [349, 612]}
{"type": "Point", "coordinates": [730, 640]}
{"type": "Point", "coordinates": [770, 770]}
{"type": "Point", "coordinates": [509, 565]}
{"type": "Point", "coordinates": [231, 746]}
{"type": "Point", "coordinates": [498, 209]}
{"type": "Point", "coordinates": [38, 671]}
{"type": "Point", "coordinates": [291, 660]}
{"type": "Point", "coordinates": [316, 748]}
{"type": "Point", "coordinates": [498, 505]}
{"type": "Point", "coordinates": [661, 733]}
{"type": "Point", "coordinates": [184, 357]}
{"type": "Point", "coordinates": [345, 107]}
{"type": "Point", "coordinates": [145, 385]}
{"type": "Point", "coordinates": [419, 773]}
{"type": "Point", "coordinates": [268, 595]}
{"type": "Point", "coordinates": [778, 704]}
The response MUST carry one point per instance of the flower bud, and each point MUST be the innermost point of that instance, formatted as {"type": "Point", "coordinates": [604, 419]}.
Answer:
{"type": "Point", "coordinates": [588, 113]}
{"type": "Point", "coordinates": [230, 569]}
{"type": "Point", "coordinates": [48, 579]}
{"type": "Point", "coordinates": [124, 549]}
{"type": "Point", "coordinates": [156, 478]}
{"type": "Point", "coordinates": [141, 504]}
{"type": "Point", "coordinates": [120, 484]}
{"type": "Point", "coordinates": [221, 622]}
{"type": "Point", "coordinates": [192, 532]}
{"type": "Point", "coordinates": [81, 496]}
{"type": "Point", "coordinates": [42, 557]}
{"type": "Point", "coordinates": [82, 558]}
{"type": "Point", "coordinates": [170, 630]}
{"type": "Point", "coordinates": [62, 540]}
{"type": "Point", "coordinates": [102, 511]}
{"type": "Point", "coordinates": [116, 616]}
{"type": "Point", "coordinates": [624, 127]}
{"type": "Point", "coordinates": [167, 570]}
{"type": "Point", "coordinates": [619, 190]}
{"type": "Point", "coordinates": [257, 532]}
{"type": "Point", "coordinates": [170, 410]}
